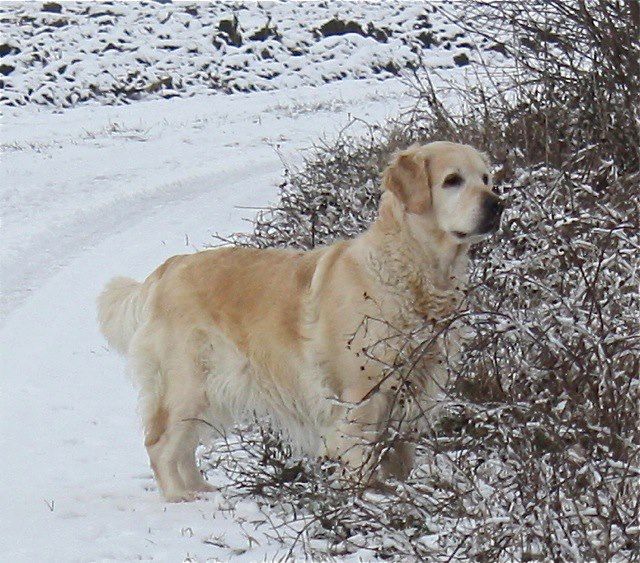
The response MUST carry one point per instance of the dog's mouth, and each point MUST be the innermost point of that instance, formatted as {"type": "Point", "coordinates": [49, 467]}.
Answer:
{"type": "Point", "coordinates": [487, 226]}
{"type": "Point", "coordinates": [479, 234]}
{"type": "Point", "coordinates": [470, 237]}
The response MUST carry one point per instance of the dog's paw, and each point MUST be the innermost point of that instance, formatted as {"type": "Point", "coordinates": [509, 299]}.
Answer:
{"type": "Point", "coordinates": [205, 487]}
{"type": "Point", "coordinates": [180, 496]}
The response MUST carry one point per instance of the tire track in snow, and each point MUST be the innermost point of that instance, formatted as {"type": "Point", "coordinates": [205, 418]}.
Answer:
{"type": "Point", "coordinates": [40, 257]}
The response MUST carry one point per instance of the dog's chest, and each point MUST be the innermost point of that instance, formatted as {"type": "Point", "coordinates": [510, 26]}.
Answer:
{"type": "Point", "coordinates": [409, 297]}
{"type": "Point", "coordinates": [418, 316]}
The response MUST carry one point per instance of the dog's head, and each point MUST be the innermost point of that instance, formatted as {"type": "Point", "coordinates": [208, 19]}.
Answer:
{"type": "Point", "coordinates": [446, 186]}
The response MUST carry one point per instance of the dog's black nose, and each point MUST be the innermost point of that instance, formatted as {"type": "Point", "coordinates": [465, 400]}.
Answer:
{"type": "Point", "coordinates": [492, 210]}
{"type": "Point", "coordinates": [493, 205]}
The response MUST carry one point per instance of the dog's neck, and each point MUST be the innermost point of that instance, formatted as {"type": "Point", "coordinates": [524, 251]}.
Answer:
{"type": "Point", "coordinates": [442, 258]}
{"type": "Point", "coordinates": [408, 254]}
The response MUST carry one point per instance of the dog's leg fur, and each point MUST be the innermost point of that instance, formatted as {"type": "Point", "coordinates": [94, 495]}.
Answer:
{"type": "Point", "coordinates": [171, 400]}
{"type": "Point", "coordinates": [172, 455]}
{"type": "Point", "coordinates": [193, 479]}
{"type": "Point", "coordinates": [162, 456]}
{"type": "Point", "coordinates": [357, 431]}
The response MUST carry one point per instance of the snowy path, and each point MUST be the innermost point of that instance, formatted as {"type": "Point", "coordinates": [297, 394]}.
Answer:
{"type": "Point", "coordinates": [100, 191]}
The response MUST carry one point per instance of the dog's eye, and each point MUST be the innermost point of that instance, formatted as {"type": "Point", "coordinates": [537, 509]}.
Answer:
{"type": "Point", "coordinates": [485, 179]}
{"type": "Point", "coordinates": [452, 181]}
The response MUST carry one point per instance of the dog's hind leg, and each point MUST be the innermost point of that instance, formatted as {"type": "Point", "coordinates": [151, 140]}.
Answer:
{"type": "Point", "coordinates": [164, 456]}
{"type": "Point", "coordinates": [157, 418]}
{"type": "Point", "coordinates": [171, 451]}
{"type": "Point", "coordinates": [193, 479]}
{"type": "Point", "coordinates": [172, 402]}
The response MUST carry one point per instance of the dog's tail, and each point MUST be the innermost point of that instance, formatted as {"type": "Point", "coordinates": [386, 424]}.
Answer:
{"type": "Point", "coordinates": [120, 307]}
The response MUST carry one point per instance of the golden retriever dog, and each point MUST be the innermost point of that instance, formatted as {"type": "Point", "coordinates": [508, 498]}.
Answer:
{"type": "Point", "coordinates": [227, 333]}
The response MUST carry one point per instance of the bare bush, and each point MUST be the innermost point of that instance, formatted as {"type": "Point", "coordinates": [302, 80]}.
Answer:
{"type": "Point", "coordinates": [535, 454]}
{"type": "Point", "coordinates": [574, 66]}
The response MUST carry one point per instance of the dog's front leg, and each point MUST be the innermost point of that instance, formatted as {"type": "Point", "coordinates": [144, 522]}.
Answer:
{"type": "Point", "coordinates": [356, 435]}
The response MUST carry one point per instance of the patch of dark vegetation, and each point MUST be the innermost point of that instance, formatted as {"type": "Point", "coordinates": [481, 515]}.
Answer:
{"type": "Point", "coordinates": [339, 27]}
{"type": "Point", "coordinates": [426, 38]}
{"type": "Point", "coordinates": [6, 49]}
{"type": "Point", "coordinates": [380, 34]}
{"type": "Point", "coordinates": [52, 7]}
{"type": "Point", "coordinates": [461, 60]}
{"type": "Point", "coordinates": [192, 10]}
{"type": "Point", "coordinates": [390, 67]}
{"type": "Point", "coordinates": [230, 31]}
{"type": "Point", "coordinates": [268, 31]}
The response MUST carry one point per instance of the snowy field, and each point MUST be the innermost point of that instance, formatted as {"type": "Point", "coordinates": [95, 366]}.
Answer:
{"type": "Point", "coordinates": [102, 189]}
{"type": "Point", "coordinates": [60, 54]}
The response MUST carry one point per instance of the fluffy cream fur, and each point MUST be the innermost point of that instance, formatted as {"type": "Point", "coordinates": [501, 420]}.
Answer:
{"type": "Point", "coordinates": [296, 336]}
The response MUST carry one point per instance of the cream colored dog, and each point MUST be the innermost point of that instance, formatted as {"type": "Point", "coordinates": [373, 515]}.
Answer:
{"type": "Point", "coordinates": [225, 333]}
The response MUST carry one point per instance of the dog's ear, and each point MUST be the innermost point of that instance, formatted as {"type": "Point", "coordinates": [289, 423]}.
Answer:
{"type": "Point", "coordinates": [407, 177]}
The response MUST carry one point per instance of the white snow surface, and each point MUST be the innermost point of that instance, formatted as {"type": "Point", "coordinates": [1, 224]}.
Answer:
{"type": "Point", "coordinates": [99, 191]}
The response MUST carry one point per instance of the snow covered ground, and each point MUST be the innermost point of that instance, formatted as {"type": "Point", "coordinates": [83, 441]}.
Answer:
{"type": "Point", "coordinates": [104, 190]}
